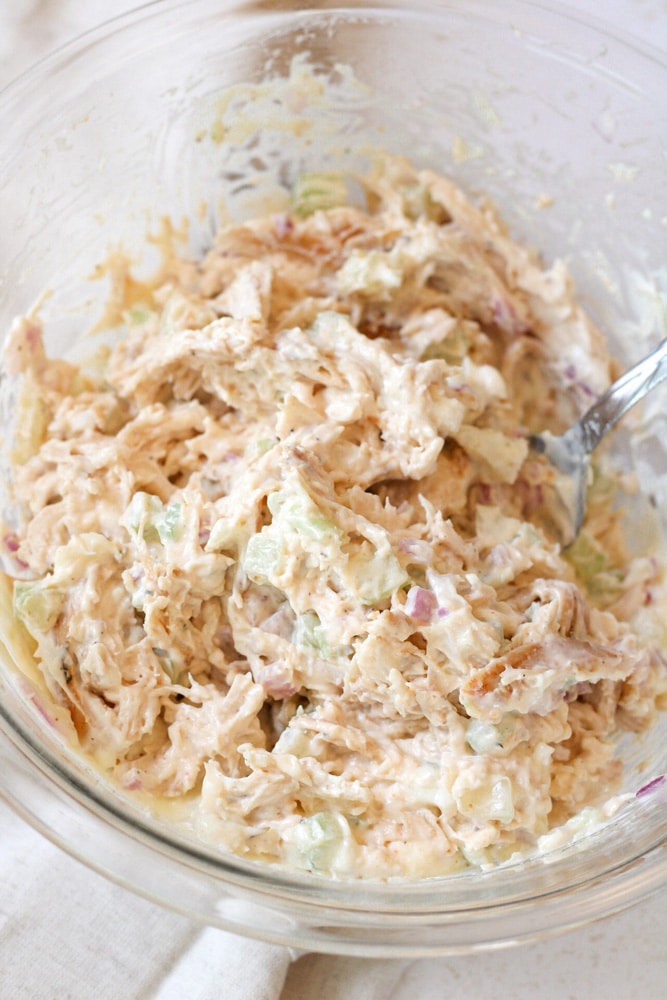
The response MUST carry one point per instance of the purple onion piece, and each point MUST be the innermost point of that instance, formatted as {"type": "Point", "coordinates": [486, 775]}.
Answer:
{"type": "Point", "coordinates": [11, 542]}
{"type": "Point", "coordinates": [283, 225]}
{"type": "Point", "coordinates": [650, 786]}
{"type": "Point", "coordinates": [420, 604]}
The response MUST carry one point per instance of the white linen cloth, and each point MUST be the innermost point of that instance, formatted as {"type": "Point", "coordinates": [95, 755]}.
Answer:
{"type": "Point", "coordinates": [66, 933]}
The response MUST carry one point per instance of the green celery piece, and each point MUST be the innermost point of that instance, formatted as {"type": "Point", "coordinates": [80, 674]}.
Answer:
{"type": "Point", "coordinates": [143, 511]}
{"type": "Point", "coordinates": [317, 191]}
{"type": "Point", "coordinates": [37, 604]}
{"type": "Point", "coordinates": [318, 837]}
{"type": "Point", "coordinates": [169, 524]}
{"type": "Point", "coordinates": [263, 556]}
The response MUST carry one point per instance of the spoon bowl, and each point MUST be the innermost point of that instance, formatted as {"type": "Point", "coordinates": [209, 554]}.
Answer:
{"type": "Point", "coordinates": [571, 452]}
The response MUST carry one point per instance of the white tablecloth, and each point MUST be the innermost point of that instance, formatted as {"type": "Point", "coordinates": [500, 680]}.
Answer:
{"type": "Point", "coordinates": [68, 934]}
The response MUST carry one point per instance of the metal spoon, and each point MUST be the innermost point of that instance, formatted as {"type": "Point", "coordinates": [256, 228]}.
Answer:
{"type": "Point", "coordinates": [571, 452]}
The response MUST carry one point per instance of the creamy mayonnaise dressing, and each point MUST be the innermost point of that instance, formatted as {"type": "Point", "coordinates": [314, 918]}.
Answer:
{"type": "Point", "coordinates": [291, 558]}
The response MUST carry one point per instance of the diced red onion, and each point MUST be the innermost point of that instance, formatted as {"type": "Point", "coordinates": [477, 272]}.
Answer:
{"type": "Point", "coordinates": [531, 494]}
{"type": "Point", "coordinates": [485, 494]}
{"type": "Point", "coordinates": [29, 691]}
{"type": "Point", "coordinates": [11, 542]}
{"type": "Point", "coordinates": [505, 316]}
{"type": "Point", "coordinates": [32, 335]}
{"type": "Point", "coordinates": [420, 604]}
{"type": "Point", "coordinates": [276, 679]}
{"type": "Point", "coordinates": [499, 556]}
{"type": "Point", "coordinates": [281, 622]}
{"type": "Point", "coordinates": [131, 780]}
{"type": "Point", "coordinates": [651, 786]}
{"type": "Point", "coordinates": [283, 225]}
{"type": "Point", "coordinates": [586, 389]}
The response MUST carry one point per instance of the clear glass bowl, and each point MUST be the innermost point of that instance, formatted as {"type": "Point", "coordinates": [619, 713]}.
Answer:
{"type": "Point", "coordinates": [560, 123]}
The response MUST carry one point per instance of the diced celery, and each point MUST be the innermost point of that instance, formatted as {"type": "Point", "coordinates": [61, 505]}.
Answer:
{"type": "Point", "coordinates": [168, 662]}
{"type": "Point", "coordinates": [263, 556]}
{"type": "Point", "coordinates": [413, 197]}
{"type": "Point", "coordinates": [37, 604]}
{"type": "Point", "coordinates": [296, 521]}
{"type": "Point", "coordinates": [138, 597]}
{"type": "Point", "coordinates": [308, 631]}
{"type": "Point", "coordinates": [503, 454]}
{"type": "Point", "coordinates": [147, 518]}
{"type": "Point", "coordinates": [318, 191]}
{"type": "Point", "coordinates": [452, 349]}
{"type": "Point", "coordinates": [587, 556]}
{"type": "Point", "coordinates": [374, 577]}
{"type": "Point", "coordinates": [418, 202]}
{"type": "Point", "coordinates": [224, 535]}
{"type": "Point", "coordinates": [593, 566]}
{"type": "Point", "coordinates": [262, 445]}
{"type": "Point", "coordinates": [295, 742]}
{"type": "Point", "coordinates": [372, 272]}
{"type": "Point", "coordinates": [483, 737]}
{"type": "Point", "coordinates": [501, 803]}
{"type": "Point", "coordinates": [490, 798]}
{"type": "Point", "coordinates": [602, 488]}
{"type": "Point", "coordinates": [137, 315]}
{"type": "Point", "coordinates": [169, 524]}
{"type": "Point", "coordinates": [318, 838]}
{"type": "Point", "coordinates": [294, 510]}
{"type": "Point", "coordinates": [141, 515]}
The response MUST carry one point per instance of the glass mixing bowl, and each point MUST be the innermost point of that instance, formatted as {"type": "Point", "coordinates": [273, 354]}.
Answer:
{"type": "Point", "coordinates": [562, 124]}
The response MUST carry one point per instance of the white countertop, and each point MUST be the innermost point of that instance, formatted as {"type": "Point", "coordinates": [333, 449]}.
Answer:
{"type": "Point", "coordinates": [67, 934]}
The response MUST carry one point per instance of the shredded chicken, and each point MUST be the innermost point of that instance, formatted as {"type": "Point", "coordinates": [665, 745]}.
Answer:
{"type": "Point", "coordinates": [291, 559]}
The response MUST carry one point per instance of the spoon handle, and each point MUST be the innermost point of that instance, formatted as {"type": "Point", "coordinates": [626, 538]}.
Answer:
{"type": "Point", "coordinates": [621, 396]}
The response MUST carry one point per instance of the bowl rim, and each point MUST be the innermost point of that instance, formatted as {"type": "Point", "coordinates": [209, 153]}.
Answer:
{"type": "Point", "coordinates": [74, 46]}
{"type": "Point", "coordinates": [609, 882]}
